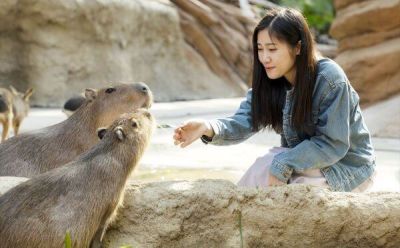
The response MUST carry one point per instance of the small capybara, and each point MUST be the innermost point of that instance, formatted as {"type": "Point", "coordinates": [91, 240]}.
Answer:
{"type": "Point", "coordinates": [36, 152]}
{"type": "Point", "coordinates": [20, 107]}
{"type": "Point", "coordinates": [6, 112]}
{"type": "Point", "coordinates": [81, 197]}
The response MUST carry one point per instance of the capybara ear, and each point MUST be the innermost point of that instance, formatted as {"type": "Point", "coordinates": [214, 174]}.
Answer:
{"type": "Point", "coordinates": [28, 94]}
{"type": "Point", "coordinates": [120, 133]}
{"type": "Point", "coordinates": [101, 132]}
{"type": "Point", "coordinates": [147, 114]}
{"type": "Point", "coordinates": [90, 94]}
{"type": "Point", "coordinates": [13, 90]}
{"type": "Point", "coordinates": [135, 124]}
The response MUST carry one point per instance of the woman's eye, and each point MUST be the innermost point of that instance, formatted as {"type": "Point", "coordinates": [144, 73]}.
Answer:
{"type": "Point", "coordinates": [110, 90]}
{"type": "Point", "coordinates": [272, 49]}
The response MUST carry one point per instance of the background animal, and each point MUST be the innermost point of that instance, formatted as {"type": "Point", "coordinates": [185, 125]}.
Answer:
{"type": "Point", "coordinates": [81, 197]}
{"type": "Point", "coordinates": [36, 152]}
{"type": "Point", "coordinates": [72, 104]}
{"type": "Point", "coordinates": [6, 113]}
{"type": "Point", "coordinates": [20, 107]}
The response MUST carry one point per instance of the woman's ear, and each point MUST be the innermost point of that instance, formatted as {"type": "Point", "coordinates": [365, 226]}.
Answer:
{"type": "Point", "coordinates": [101, 132]}
{"type": "Point", "coordinates": [298, 47]}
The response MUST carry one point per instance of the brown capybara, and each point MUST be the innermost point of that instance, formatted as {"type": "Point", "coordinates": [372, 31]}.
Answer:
{"type": "Point", "coordinates": [36, 152]}
{"type": "Point", "coordinates": [6, 112]}
{"type": "Point", "coordinates": [80, 197]}
{"type": "Point", "coordinates": [20, 107]}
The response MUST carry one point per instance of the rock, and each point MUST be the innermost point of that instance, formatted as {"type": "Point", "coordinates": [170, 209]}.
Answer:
{"type": "Point", "coordinates": [339, 4]}
{"type": "Point", "coordinates": [374, 70]}
{"type": "Point", "coordinates": [216, 213]}
{"type": "Point", "coordinates": [376, 15]}
{"type": "Point", "coordinates": [367, 39]}
{"type": "Point", "coordinates": [368, 34]}
{"type": "Point", "coordinates": [62, 47]}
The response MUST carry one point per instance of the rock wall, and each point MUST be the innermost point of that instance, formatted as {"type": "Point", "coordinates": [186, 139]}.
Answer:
{"type": "Point", "coordinates": [62, 47]}
{"type": "Point", "coordinates": [368, 33]}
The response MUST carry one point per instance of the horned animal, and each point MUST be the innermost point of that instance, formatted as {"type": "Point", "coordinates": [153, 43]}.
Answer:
{"type": "Point", "coordinates": [20, 107]}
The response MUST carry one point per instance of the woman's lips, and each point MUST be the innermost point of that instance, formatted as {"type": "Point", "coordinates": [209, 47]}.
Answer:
{"type": "Point", "coordinates": [268, 68]}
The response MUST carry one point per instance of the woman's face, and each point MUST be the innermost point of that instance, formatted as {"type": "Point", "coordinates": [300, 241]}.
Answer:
{"type": "Point", "coordinates": [277, 57]}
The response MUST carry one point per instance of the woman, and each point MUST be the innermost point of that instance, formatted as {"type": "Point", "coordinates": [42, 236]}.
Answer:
{"type": "Point", "coordinates": [309, 102]}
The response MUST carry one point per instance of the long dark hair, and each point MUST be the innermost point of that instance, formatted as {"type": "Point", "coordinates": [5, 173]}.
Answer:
{"type": "Point", "coordinates": [268, 95]}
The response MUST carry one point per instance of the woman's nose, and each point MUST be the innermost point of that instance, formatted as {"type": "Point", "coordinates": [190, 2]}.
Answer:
{"type": "Point", "coordinates": [265, 58]}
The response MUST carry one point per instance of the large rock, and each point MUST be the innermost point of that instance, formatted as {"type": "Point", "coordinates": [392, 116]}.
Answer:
{"type": "Point", "coordinates": [368, 34]}
{"type": "Point", "coordinates": [374, 70]}
{"type": "Point", "coordinates": [61, 47]}
{"type": "Point", "coordinates": [216, 213]}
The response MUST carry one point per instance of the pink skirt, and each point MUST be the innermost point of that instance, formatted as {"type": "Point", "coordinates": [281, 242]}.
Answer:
{"type": "Point", "coordinates": [257, 174]}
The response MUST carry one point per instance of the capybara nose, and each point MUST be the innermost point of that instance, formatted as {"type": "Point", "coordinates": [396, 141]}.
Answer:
{"type": "Point", "coordinates": [142, 87]}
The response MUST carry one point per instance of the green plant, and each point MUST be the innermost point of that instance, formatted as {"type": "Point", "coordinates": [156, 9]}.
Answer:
{"type": "Point", "coordinates": [67, 240]}
{"type": "Point", "coordinates": [319, 13]}
{"type": "Point", "coordinates": [240, 228]}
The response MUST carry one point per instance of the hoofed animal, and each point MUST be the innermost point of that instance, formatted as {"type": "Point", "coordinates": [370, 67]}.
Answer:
{"type": "Point", "coordinates": [20, 107]}
{"type": "Point", "coordinates": [81, 197]}
{"type": "Point", "coordinates": [36, 152]}
{"type": "Point", "coordinates": [6, 113]}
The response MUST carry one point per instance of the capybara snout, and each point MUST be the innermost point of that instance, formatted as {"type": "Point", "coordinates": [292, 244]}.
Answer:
{"type": "Point", "coordinates": [111, 101]}
{"type": "Point", "coordinates": [130, 126]}
{"type": "Point", "coordinates": [145, 90]}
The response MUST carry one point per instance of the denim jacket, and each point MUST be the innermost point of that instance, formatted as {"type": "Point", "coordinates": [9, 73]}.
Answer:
{"type": "Point", "coordinates": [340, 146]}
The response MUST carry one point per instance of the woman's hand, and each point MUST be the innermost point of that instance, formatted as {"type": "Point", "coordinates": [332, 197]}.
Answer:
{"type": "Point", "coordinates": [274, 181]}
{"type": "Point", "coordinates": [190, 131]}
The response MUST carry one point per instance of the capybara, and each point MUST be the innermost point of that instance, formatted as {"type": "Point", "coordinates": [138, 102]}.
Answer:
{"type": "Point", "coordinates": [38, 151]}
{"type": "Point", "coordinates": [6, 113]}
{"type": "Point", "coordinates": [72, 104]}
{"type": "Point", "coordinates": [81, 197]}
{"type": "Point", "coordinates": [20, 107]}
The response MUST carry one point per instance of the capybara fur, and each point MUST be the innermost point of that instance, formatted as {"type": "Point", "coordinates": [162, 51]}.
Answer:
{"type": "Point", "coordinates": [20, 107]}
{"type": "Point", "coordinates": [38, 151]}
{"type": "Point", "coordinates": [6, 113]}
{"type": "Point", "coordinates": [81, 197]}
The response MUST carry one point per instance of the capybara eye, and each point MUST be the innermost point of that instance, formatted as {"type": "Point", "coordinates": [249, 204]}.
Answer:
{"type": "Point", "coordinates": [110, 90]}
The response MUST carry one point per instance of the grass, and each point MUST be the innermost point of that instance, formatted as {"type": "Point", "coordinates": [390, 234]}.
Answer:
{"type": "Point", "coordinates": [240, 228]}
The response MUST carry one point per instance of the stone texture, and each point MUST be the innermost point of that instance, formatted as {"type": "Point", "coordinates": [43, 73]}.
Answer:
{"type": "Point", "coordinates": [339, 4]}
{"type": "Point", "coordinates": [368, 34]}
{"type": "Point", "coordinates": [365, 17]}
{"type": "Point", "coordinates": [373, 71]}
{"type": "Point", "coordinates": [214, 213]}
{"type": "Point", "coordinates": [62, 47]}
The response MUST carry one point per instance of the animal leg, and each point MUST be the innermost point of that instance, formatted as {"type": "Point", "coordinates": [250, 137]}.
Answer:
{"type": "Point", "coordinates": [6, 125]}
{"type": "Point", "coordinates": [16, 125]}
